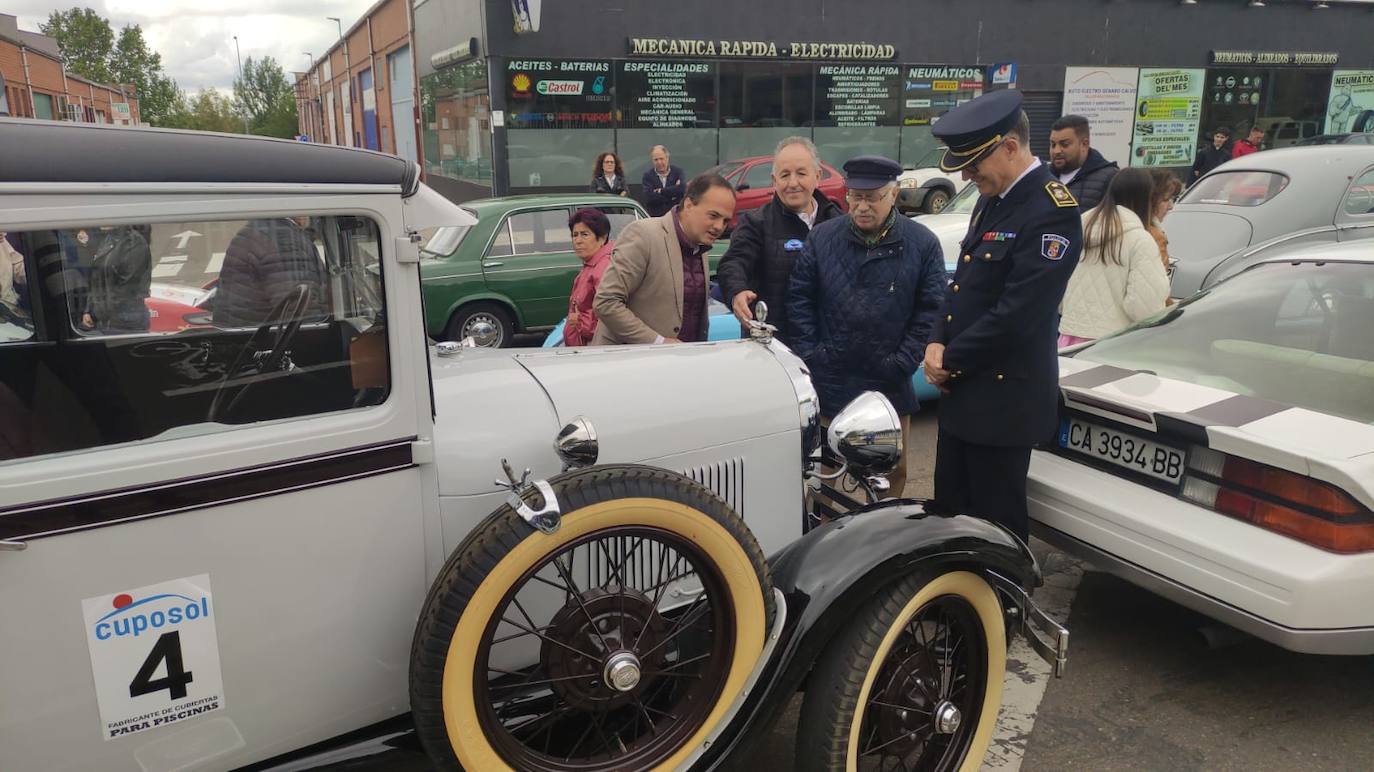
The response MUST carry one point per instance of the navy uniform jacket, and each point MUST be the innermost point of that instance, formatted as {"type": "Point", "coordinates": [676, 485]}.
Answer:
{"type": "Point", "coordinates": [1000, 318]}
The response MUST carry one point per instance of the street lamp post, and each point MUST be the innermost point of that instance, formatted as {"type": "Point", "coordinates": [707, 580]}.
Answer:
{"type": "Point", "coordinates": [348, 72]}
{"type": "Point", "coordinates": [311, 81]}
{"type": "Point", "coordinates": [239, 57]}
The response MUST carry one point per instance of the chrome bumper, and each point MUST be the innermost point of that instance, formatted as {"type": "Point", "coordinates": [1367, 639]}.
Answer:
{"type": "Point", "coordinates": [1047, 637]}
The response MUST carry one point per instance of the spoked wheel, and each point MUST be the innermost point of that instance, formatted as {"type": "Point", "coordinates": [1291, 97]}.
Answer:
{"type": "Point", "coordinates": [617, 642]}
{"type": "Point", "coordinates": [914, 683]}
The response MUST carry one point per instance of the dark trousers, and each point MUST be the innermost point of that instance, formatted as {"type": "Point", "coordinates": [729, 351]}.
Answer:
{"type": "Point", "coordinates": [986, 481]}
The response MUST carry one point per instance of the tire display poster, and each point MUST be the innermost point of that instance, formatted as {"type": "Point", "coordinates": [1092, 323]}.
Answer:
{"type": "Point", "coordinates": [1106, 96]}
{"type": "Point", "coordinates": [1351, 106]}
{"type": "Point", "coordinates": [1167, 114]}
{"type": "Point", "coordinates": [558, 93]}
{"type": "Point", "coordinates": [929, 92]}
{"type": "Point", "coordinates": [154, 654]}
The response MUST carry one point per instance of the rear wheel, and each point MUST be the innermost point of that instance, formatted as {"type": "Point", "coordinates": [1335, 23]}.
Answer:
{"type": "Point", "coordinates": [465, 319]}
{"type": "Point", "coordinates": [914, 682]}
{"type": "Point", "coordinates": [618, 641]}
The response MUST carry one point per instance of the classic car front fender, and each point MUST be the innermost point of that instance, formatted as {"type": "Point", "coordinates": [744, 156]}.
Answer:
{"type": "Point", "coordinates": [832, 571]}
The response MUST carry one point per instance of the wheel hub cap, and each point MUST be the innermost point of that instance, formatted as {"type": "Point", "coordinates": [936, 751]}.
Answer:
{"type": "Point", "coordinates": [947, 718]}
{"type": "Point", "coordinates": [622, 671]}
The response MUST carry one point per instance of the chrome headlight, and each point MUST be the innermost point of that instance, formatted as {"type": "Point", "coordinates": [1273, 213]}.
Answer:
{"type": "Point", "coordinates": [808, 402]}
{"type": "Point", "coordinates": [909, 182]}
{"type": "Point", "coordinates": [867, 434]}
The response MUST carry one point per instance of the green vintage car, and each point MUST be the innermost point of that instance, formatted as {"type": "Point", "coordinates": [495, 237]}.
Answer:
{"type": "Point", "coordinates": [515, 267]}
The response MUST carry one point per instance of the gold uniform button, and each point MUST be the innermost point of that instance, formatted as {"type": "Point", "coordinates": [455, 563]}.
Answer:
{"type": "Point", "coordinates": [956, 288]}
{"type": "Point", "coordinates": [967, 258]}
{"type": "Point", "coordinates": [949, 317]}
{"type": "Point", "coordinates": [987, 255]}
{"type": "Point", "coordinates": [999, 376]}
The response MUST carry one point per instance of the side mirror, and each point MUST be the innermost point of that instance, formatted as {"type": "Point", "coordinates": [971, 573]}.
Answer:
{"type": "Point", "coordinates": [576, 444]}
{"type": "Point", "coordinates": [867, 435]}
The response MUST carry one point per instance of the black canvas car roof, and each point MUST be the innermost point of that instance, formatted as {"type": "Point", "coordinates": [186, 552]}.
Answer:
{"type": "Point", "coordinates": [57, 151]}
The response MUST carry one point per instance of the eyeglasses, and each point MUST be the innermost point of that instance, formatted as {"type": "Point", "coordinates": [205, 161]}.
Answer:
{"type": "Point", "coordinates": [871, 199]}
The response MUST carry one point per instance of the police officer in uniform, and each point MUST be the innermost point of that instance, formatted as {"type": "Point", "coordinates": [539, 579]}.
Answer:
{"type": "Point", "coordinates": [992, 350]}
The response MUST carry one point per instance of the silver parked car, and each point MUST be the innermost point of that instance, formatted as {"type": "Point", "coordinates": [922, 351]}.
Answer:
{"type": "Point", "coordinates": [1267, 203]}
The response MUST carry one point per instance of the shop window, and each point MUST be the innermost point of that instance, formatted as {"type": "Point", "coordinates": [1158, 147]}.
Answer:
{"type": "Point", "coordinates": [692, 149]}
{"type": "Point", "coordinates": [147, 335]}
{"type": "Point", "coordinates": [762, 103]}
{"type": "Point", "coordinates": [454, 105]}
{"type": "Point", "coordinates": [540, 158]}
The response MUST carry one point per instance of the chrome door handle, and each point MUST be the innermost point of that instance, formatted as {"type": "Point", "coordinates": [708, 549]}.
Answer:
{"type": "Point", "coordinates": [13, 546]}
{"type": "Point", "coordinates": [495, 264]}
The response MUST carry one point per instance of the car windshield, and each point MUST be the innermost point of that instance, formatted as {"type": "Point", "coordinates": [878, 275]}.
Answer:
{"type": "Point", "coordinates": [445, 240]}
{"type": "Point", "coordinates": [931, 160]}
{"type": "Point", "coordinates": [1292, 332]}
{"type": "Point", "coordinates": [963, 202]}
{"type": "Point", "coordinates": [1238, 188]}
{"type": "Point", "coordinates": [726, 169]}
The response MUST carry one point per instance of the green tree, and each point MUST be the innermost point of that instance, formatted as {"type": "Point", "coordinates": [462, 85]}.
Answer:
{"type": "Point", "coordinates": [85, 41]}
{"type": "Point", "coordinates": [207, 111]}
{"type": "Point", "coordinates": [267, 97]}
{"type": "Point", "coordinates": [90, 49]}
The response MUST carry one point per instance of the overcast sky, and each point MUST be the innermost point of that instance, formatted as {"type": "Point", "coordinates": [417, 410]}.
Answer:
{"type": "Point", "coordinates": [196, 37]}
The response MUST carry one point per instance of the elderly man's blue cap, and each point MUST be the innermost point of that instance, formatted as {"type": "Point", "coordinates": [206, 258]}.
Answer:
{"type": "Point", "coordinates": [976, 128]}
{"type": "Point", "coordinates": [870, 172]}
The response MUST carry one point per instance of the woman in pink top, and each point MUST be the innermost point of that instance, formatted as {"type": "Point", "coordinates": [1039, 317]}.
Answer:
{"type": "Point", "coordinates": [591, 233]}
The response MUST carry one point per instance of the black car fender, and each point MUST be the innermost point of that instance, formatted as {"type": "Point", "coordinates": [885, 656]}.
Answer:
{"type": "Point", "coordinates": [828, 574]}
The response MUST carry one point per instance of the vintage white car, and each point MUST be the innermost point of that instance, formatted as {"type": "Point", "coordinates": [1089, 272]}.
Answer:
{"type": "Point", "coordinates": [1221, 453]}
{"type": "Point", "coordinates": [296, 519]}
{"type": "Point", "coordinates": [1269, 203]}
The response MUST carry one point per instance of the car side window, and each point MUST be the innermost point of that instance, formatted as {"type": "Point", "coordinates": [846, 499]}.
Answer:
{"type": "Point", "coordinates": [620, 216]}
{"type": "Point", "coordinates": [500, 243]}
{"type": "Point", "coordinates": [141, 332]}
{"type": "Point", "coordinates": [759, 176]}
{"type": "Point", "coordinates": [539, 232]}
{"type": "Point", "coordinates": [1359, 200]}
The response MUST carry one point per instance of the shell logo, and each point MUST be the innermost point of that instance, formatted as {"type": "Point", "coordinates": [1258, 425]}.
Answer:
{"type": "Point", "coordinates": [521, 82]}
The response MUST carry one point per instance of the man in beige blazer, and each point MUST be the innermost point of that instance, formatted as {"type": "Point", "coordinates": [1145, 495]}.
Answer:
{"type": "Point", "coordinates": [656, 289]}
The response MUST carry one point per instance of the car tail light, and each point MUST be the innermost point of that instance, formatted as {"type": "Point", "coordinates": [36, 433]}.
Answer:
{"type": "Point", "coordinates": [1291, 504]}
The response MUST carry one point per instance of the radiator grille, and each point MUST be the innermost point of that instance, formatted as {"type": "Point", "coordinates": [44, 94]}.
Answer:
{"type": "Point", "coordinates": [725, 478]}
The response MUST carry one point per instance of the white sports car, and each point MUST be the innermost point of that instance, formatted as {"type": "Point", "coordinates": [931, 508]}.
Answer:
{"type": "Point", "coordinates": [1221, 453]}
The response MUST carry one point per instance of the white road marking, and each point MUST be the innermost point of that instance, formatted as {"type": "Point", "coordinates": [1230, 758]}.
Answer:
{"type": "Point", "coordinates": [161, 271]}
{"type": "Point", "coordinates": [216, 260]}
{"type": "Point", "coordinates": [1027, 674]}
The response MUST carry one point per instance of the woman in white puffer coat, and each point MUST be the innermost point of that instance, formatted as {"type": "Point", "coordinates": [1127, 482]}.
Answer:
{"type": "Point", "coordinates": [1120, 278]}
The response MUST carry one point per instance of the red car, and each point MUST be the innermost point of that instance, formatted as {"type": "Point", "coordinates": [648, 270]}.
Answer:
{"type": "Point", "coordinates": [753, 181]}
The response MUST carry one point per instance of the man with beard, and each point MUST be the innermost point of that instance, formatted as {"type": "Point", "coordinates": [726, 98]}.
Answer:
{"type": "Point", "coordinates": [1083, 170]}
{"type": "Point", "coordinates": [656, 289]}
{"type": "Point", "coordinates": [767, 240]}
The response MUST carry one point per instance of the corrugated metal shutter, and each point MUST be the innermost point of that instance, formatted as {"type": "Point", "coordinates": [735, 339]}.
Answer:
{"type": "Point", "coordinates": [1043, 108]}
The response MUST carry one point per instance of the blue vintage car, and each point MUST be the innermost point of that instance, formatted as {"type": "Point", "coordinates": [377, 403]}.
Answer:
{"type": "Point", "coordinates": [724, 326]}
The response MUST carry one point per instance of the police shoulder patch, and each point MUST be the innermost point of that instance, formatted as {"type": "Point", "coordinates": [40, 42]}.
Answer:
{"type": "Point", "coordinates": [1060, 194]}
{"type": "Point", "coordinates": [1053, 246]}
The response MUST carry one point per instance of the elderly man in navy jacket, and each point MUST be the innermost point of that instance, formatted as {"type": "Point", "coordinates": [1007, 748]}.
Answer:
{"type": "Point", "coordinates": [663, 183]}
{"type": "Point", "coordinates": [993, 346]}
{"type": "Point", "coordinates": [863, 296]}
